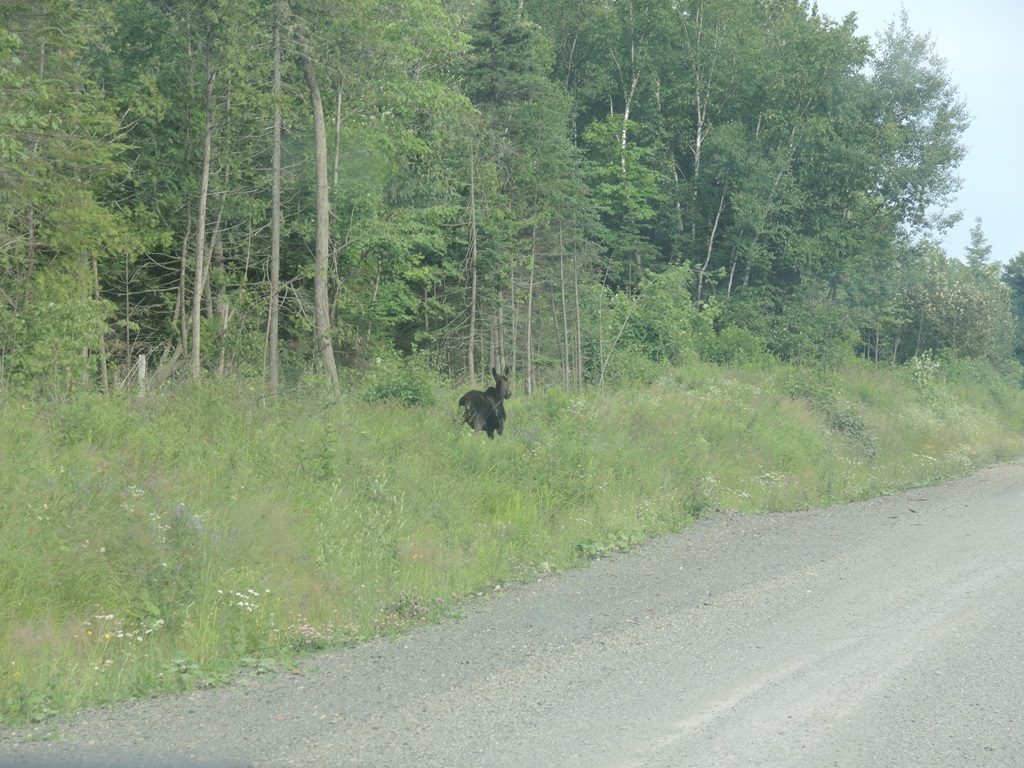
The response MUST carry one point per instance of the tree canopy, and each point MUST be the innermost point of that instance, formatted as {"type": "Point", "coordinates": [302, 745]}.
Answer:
{"type": "Point", "coordinates": [265, 187]}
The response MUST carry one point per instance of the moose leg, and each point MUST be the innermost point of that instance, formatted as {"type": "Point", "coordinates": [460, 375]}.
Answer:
{"type": "Point", "coordinates": [474, 417]}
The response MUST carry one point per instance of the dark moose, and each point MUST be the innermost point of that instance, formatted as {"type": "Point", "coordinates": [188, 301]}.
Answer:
{"type": "Point", "coordinates": [486, 410]}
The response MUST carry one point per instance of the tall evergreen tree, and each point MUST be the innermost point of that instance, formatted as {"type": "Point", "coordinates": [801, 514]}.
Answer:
{"type": "Point", "coordinates": [978, 250]}
{"type": "Point", "coordinates": [537, 193]}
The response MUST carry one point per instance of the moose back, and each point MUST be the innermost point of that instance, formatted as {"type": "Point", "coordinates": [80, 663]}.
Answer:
{"type": "Point", "coordinates": [485, 411]}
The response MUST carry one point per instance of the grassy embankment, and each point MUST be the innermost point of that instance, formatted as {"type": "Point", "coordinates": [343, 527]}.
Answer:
{"type": "Point", "coordinates": [155, 545]}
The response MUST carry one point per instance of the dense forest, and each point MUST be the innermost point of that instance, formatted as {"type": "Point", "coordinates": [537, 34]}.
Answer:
{"type": "Point", "coordinates": [297, 189]}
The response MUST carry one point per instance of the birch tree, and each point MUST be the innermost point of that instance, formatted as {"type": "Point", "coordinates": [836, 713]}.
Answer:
{"type": "Point", "coordinates": [321, 253]}
{"type": "Point", "coordinates": [273, 321]}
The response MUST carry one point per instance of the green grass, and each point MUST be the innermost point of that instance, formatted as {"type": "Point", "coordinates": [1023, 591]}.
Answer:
{"type": "Point", "coordinates": [150, 546]}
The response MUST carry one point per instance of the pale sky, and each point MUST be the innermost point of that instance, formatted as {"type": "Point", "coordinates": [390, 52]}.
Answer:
{"type": "Point", "coordinates": [982, 43]}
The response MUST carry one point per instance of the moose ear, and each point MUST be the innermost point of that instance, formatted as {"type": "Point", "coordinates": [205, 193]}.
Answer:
{"type": "Point", "coordinates": [494, 372]}
{"type": "Point", "coordinates": [507, 371]}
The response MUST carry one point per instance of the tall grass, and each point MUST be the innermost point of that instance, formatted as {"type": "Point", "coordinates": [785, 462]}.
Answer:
{"type": "Point", "coordinates": [154, 545]}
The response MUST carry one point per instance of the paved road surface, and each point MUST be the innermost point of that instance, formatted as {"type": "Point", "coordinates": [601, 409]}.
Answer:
{"type": "Point", "coordinates": [888, 633]}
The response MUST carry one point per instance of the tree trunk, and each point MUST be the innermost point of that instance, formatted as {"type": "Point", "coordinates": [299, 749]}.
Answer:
{"type": "Point", "coordinates": [501, 329]}
{"type": "Point", "coordinates": [470, 366]}
{"type": "Point", "coordinates": [567, 358]}
{"type": "Point", "coordinates": [624, 135]}
{"type": "Point", "coordinates": [337, 137]}
{"type": "Point", "coordinates": [127, 310]}
{"type": "Point", "coordinates": [181, 317]}
{"type": "Point", "coordinates": [579, 321]}
{"type": "Point", "coordinates": [703, 68]}
{"type": "Point", "coordinates": [529, 314]}
{"type": "Point", "coordinates": [629, 81]}
{"type": "Point", "coordinates": [143, 373]}
{"type": "Point", "coordinates": [223, 307]}
{"type": "Point", "coordinates": [611, 349]}
{"type": "Point", "coordinates": [513, 301]}
{"type": "Point", "coordinates": [321, 308]}
{"type": "Point", "coordinates": [732, 270]}
{"type": "Point", "coordinates": [274, 372]}
{"type": "Point", "coordinates": [215, 241]}
{"type": "Point", "coordinates": [711, 244]}
{"type": "Point", "coordinates": [104, 380]}
{"type": "Point", "coordinates": [494, 343]}
{"type": "Point", "coordinates": [204, 188]}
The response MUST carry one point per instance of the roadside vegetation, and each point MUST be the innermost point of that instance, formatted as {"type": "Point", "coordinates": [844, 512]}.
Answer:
{"type": "Point", "coordinates": [247, 247]}
{"type": "Point", "coordinates": [168, 542]}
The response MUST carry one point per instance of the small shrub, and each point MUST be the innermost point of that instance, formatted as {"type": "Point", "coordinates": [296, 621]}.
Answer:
{"type": "Point", "coordinates": [42, 349]}
{"type": "Point", "coordinates": [843, 417]}
{"type": "Point", "coordinates": [666, 322]}
{"type": "Point", "coordinates": [631, 365]}
{"type": "Point", "coordinates": [403, 379]}
{"type": "Point", "coordinates": [924, 370]}
{"type": "Point", "coordinates": [819, 389]}
{"type": "Point", "coordinates": [735, 346]}
{"type": "Point", "coordinates": [804, 328]}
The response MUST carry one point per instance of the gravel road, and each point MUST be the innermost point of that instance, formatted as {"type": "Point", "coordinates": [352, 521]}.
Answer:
{"type": "Point", "coordinates": [886, 633]}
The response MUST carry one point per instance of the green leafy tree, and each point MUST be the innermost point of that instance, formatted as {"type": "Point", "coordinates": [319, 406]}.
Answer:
{"type": "Point", "coordinates": [627, 187]}
{"type": "Point", "coordinates": [923, 120]}
{"type": "Point", "coordinates": [539, 182]}
{"type": "Point", "coordinates": [953, 308]}
{"type": "Point", "coordinates": [1013, 278]}
{"type": "Point", "coordinates": [63, 160]}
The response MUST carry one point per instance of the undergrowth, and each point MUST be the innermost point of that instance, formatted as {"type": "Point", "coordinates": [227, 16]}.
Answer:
{"type": "Point", "coordinates": [161, 544]}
